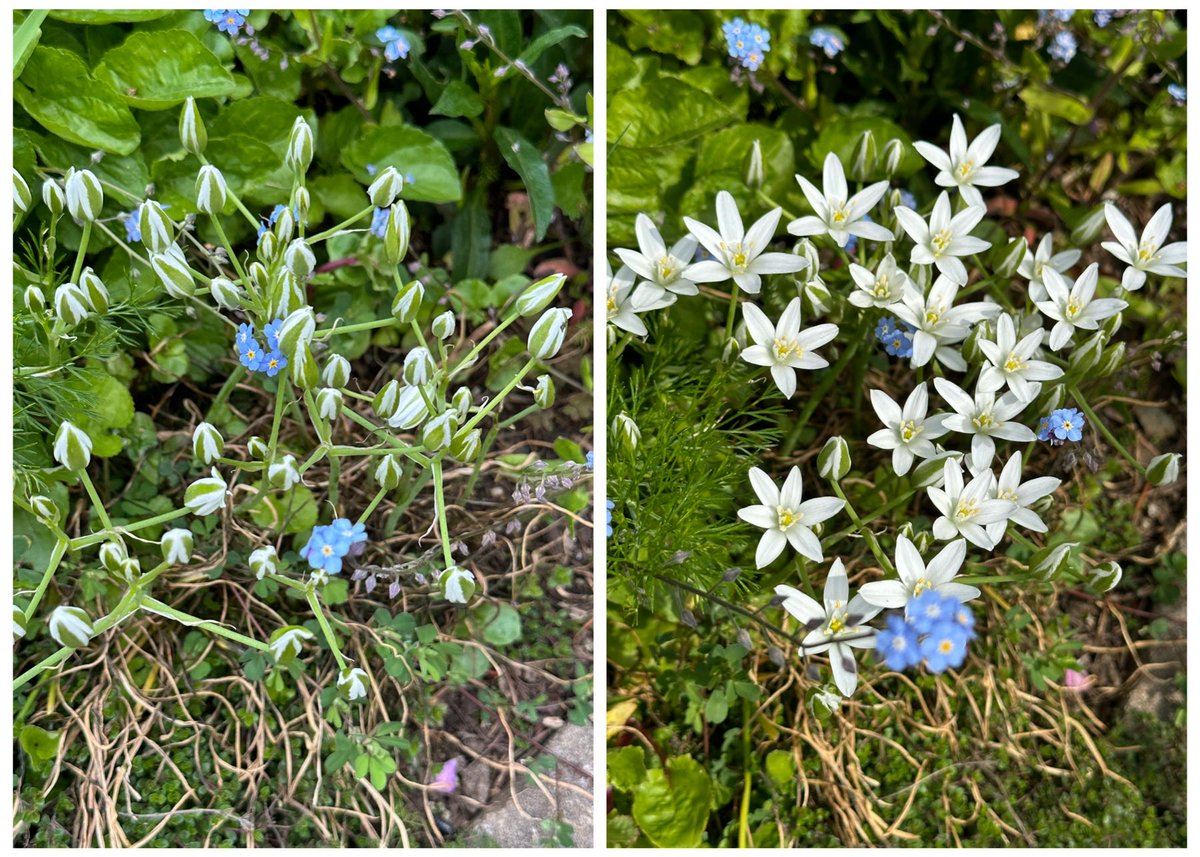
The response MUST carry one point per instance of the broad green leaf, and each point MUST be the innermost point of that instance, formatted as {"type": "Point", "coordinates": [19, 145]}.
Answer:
{"type": "Point", "coordinates": [677, 33]}
{"type": "Point", "coordinates": [56, 89]}
{"type": "Point", "coordinates": [458, 99]}
{"type": "Point", "coordinates": [500, 624]}
{"type": "Point", "coordinates": [716, 709]}
{"type": "Point", "coordinates": [25, 39]}
{"type": "Point", "coordinates": [781, 767]}
{"type": "Point", "coordinates": [292, 512]}
{"type": "Point", "coordinates": [673, 814]}
{"type": "Point", "coordinates": [626, 768]}
{"type": "Point", "coordinates": [107, 16]}
{"type": "Point", "coordinates": [42, 746]}
{"type": "Point", "coordinates": [434, 176]}
{"type": "Point", "coordinates": [526, 159]}
{"type": "Point", "coordinates": [548, 40]}
{"type": "Point", "coordinates": [156, 71]}
{"type": "Point", "coordinates": [109, 407]}
{"type": "Point", "coordinates": [1057, 103]}
{"type": "Point", "coordinates": [471, 240]}
{"type": "Point", "coordinates": [663, 112]}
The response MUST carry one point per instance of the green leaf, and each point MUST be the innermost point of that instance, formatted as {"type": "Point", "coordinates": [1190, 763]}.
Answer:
{"type": "Point", "coordinates": [677, 34]}
{"type": "Point", "coordinates": [294, 512]}
{"type": "Point", "coordinates": [673, 814]}
{"type": "Point", "coordinates": [42, 746]}
{"type": "Point", "coordinates": [549, 39]}
{"type": "Point", "coordinates": [56, 90]}
{"type": "Point", "coordinates": [108, 16]}
{"type": "Point", "coordinates": [412, 152]}
{"type": "Point", "coordinates": [626, 768]}
{"type": "Point", "coordinates": [110, 407]}
{"type": "Point", "coordinates": [527, 160]}
{"type": "Point", "coordinates": [471, 240]}
{"type": "Point", "coordinates": [717, 707]}
{"type": "Point", "coordinates": [499, 623]}
{"type": "Point", "coordinates": [458, 99]}
{"type": "Point", "coordinates": [664, 112]}
{"type": "Point", "coordinates": [1041, 97]}
{"type": "Point", "coordinates": [25, 39]}
{"type": "Point", "coordinates": [781, 767]}
{"type": "Point", "coordinates": [159, 70]}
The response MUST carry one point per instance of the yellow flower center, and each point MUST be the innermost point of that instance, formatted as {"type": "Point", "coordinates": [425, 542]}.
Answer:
{"type": "Point", "coordinates": [920, 586]}
{"type": "Point", "coordinates": [840, 215]}
{"type": "Point", "coordinates": [787, 348]}
{"type": "Point", "coordinates": [1007, 495]}
{"type": "Point", "coordinates": [881, 289]}
{"type": "Point", "coordinates": [612, 305]}
{"type": "Point", "coordinates": [909, 430]}
{"type": "Point", "coordinates": [1147, 251]}
{"type": "Point", "coordinates": [964, 169]}
{"type": "Point", "coordinates": [983, 421]}
{"type": "Point", "coordinates": [668, 268]}
{"type": "Point", "coordinates": [1073, 308]}
{"type": "Point", "coordinates": [1013, 364]}
{"type": "Point", "coordinates": [941, 241]}
{"type": "Point", "coordinates": [836, 625]}
{"type": "Point", "coordinates": [946, 647]}
{"type": "Point", "coordinates": [933, 316]}
{"type": "Point", "coordinates": [737, 257]}
{"type": "Point", "coordinates": [327, 550]}
{"type": "Point", "coordinates": [966, 510]}
{"type": "Point", "coordinates": [787, 517]}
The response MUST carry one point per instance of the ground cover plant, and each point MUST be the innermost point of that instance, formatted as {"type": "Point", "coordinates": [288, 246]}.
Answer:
{"type": "Point", "coordinates": [896, 541]}
{"type": "Point", "coordinates": [302, 416]}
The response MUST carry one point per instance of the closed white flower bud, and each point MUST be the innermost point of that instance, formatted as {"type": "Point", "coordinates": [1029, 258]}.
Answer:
{"type": "Point", "coordinates": [35, 300]}
{"type": "Point", "coordinates": [384, 189]}
{"type": "Point", "coordinates": [385, 401]}
{"type": "Point", "coordinates": [465, 445]}
{"type": "Point", "coordinates": [1052, 562]}
{"type": "Point", "coordinates": [112, 555]}
{"type": "Point", "coordinates": [537, 296]}
{"type": "Point", "coordinates": [47, 510]}
{"type": "Point", "coordinates": [1089, 229]}
{"type": "Point", "coordinates": [210, 190]}
{"type": "Point", "coordinates": [815, 296]}
{"type": "Point", "coordinates": [206, 496]}
{"type": "Point", "coordinates": [297, 331]}
{"type": "Point", "coordinates": [866, 156]}
{"type": "Point", "coordinates": [71, 627]}
{"type": "Point", "coordinates": [920, 276]}
{"type": "Point", "coordinates": [192, 133]}
{"type": "Point", "coordinates": [53, 197]}
{"type": "Point", "coordinates": [300, 147]}
{"type": "Point", "coordinates": [833, 462]}
{"type": "Point", "coordinates": [396, 234]}
{"type": "Point", "coordinates": [1106, 576]}
{"type": "Point", "coordinates": [1087, 354]}
{"type": "Point", "coordinates": [329, 403]}
{"type": "Point", "coordinates": [548, 332]}
{"type": "Point", "coordinates": [1163, 469]}
{"type": "Point", "coordinates": [970, 347]}
{"type": "Point", "coordinates": [70, 304]}
{"type": "Point", "coordinates": [1014, 254]}
{"type": "Point", "coordinates": [299, 258]}
{"type": "Point", "coordinates": [443, 325]}
{"type": "Point", "coordinates": [408, 301]}
{"type": "Point", "coordinates": [22, 198]}
{"type": "Point", "coordinates": [288, 294]}
{"type": "Point", "coordinates": [173, 272]}
{"type": "Point", "coordinates": [257, 447]}
{"type": "Point", "coordinates": [207, 443]}
{"type": "Point", "coordinates": [923, 541]}
{"type": "Point", "coordinates": [226, 293]}
{"type": "Point", "coordinates": [302, 369]}
{"type": "Point", "coordinates": [72, 447]}
{"type": "Point", "coordinates": [260, 277]}
{"type": "Point", "coordinates": [1112, 360]}
{"type": "Point", "coordinates": [932, 471]}
{"type": "Point", "coordinates": [177, 546]}
{"type": "Point", "coordinates": [85, 196]}
{"type": "Point", "coordinates": [129, 570]}
{"type": "Point", "coordinates": [893, 152]}
{"type": "Point", "coordinates": [626, 432]}
{"type": "Point", "coordinates": [284, 473]}
{"type": "Point", "coordinates": [94, 290]}
{"type": "Point", "coordinates": [388, 471]}
{"type": "Point", "coordinates": [302, 203]}
{"type": "Point", "coordinates": [543, 392]}
{"type": "Point", "coordinates": [336, 372]}
{"type": "Point", "coordinates": [461, 402]}
{"type": "Point", "coordinates": [419, 366]}
{"type": "Point", "coordinates": [439, 431]}
{"type": "Point", "coordinates": [264, 561]}
{"type": "Point", "coordinates": [754, 173]}
{"type": "Point", "coordinates": [19, 622]}
{"type": "Point", "coordinates": [456, 584]}
{"type": "Point", "coordinates": [267, 245]}
{"type": "Point", "coordinates": [158, 232]}
{"type": "Point", "coordinates": [287, 643]}
{"type": "Point", "coordinates": [352, 683]}
{"type": "Point", "coordinates": [411, 409]}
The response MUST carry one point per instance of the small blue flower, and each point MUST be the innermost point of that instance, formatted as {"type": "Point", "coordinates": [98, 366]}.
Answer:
{"type": "Point", "coordinates": [895, 336]}
{"type": "Point", "coordinates": [271, 332]}
{"type": "Point", "coordinates": [133, 224]}
{"type": "Point", "coordinates": [827, 40]}
{"type": "Point", "coordinates": [272, 363]}
{"type": "Point", "coordinates": [944, 647]}
{"type": "Point", "coordinates": [897, 644]}
{"type": "Point", "coordinates": [966, 620]}
{"type": "Point", "coordinates": [908, 200]}
{"type": "Point", "coordinates": [245, 334]}
{"type": "Point", "coordinates": [1043, 429]}
{"type": "Point", "coordinates": [1178, 92]}
{"type": "Point", "coordinates": [379, 221]}
{"type": "Point", "coordinates": [371, 169]}
{"type": "Point", "coordinates": [1064, 46]}
{"type": "Point", "coordinates": [395, 46]}
{"type": "Point", "coordinates": [928, 609]}
{"type": "Point", "coordinates": [609, 505]}
{"type": "Point", "coordinates": [330, 543]}
{"type": "Point", "coordinates": [591, 462]}
{"type": "Point", "coordinates": [227, 20]}
{"type": "Point", "coordinates": [1102, 17]}
{"type": "Point", "coordinates": [349, 534]}
{"type": "Point", "coordinates": [1067, 424]}
{"type": "Point", "coordinates": [252, 354]}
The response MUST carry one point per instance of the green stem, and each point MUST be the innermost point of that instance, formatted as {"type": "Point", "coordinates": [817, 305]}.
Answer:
{"type": "Point", "coordinates": [56, 555]}
{"type": "Point", "coordinates": [126, 606]}
{"type": "Point", "coordinates": [313, 602]}
{"type": "Point", "coordinates": [408, 451]}
{"type": "Point", "coordinates": [353, 328]}
{"type": "Point", "coordinates": [744, 809]}
{"type": "Point", "coordinates": [237, 265]}
{"type": "Point", "coordinates": [362, 519]}
{"type": "Point", "coordinates": [872, 542]}
{"type": "Point", "coordinates": [239, 372]}
{"type": "Point", "coordinates": [96, 538]}
{"type": "Point", "coordinates": [439, 500]}
{"type": "Point", "coordinates": [731, 317]}
{"type": "Point", "coordinates": [499, 399]}
{"type": "Point", "coordinates": [321, 236]}
{"type": "Point", "coordinates": [83, 246]}
{"type": "Point", "coordinates": [156, 606]}
{"type": "Point", "coordinates": [101, 512]}
{"type": "Point", "coordinates": [466, 362]}
{"type": "Point", "coordinates": [241, 206]}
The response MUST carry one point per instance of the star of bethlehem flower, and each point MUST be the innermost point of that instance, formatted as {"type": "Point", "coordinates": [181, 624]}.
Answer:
{"type": "Point", "coordinates": [886, 286]}
{"type": "Point", "coordinates": [1011, 362]}
{"type": "Point", "coordinates": [786, 517]}
{"type": "Point", "coordinates": [915, 577]}
{"type": "Point", "coordinates": [838, 627]}
{"type": "Point", "coordinates": [1010, 487]}
{"type": "Point", "coordinates": [985, 418]}
{"type": "Point", "coordinates": [625, 302]}
{"type": "Point", "coordinates": [659, 266]}
{"type": "Point", "coordinates": [939, 324]}
{"type": "Point", "coordinates": [1148, 255]}
{"type": "Point", "coordinates": [836, 212]}
{"type": "Point", "coordinates": [967, 508]}
{"type": "Point", "coordinates": [1031, 267]}
{"type": "Point", "coordinates": [1074, 305]}
{"type": "Point", "coordinates": [785, 348]}
{"type": "Point", "coordinates": [737, 252]}
{"type": "Point", "coordinates": [908, 432]}
{"type": "Point", "coordinates": [945, 237]}
{"type": "Point", "coordinates": [964, 166]}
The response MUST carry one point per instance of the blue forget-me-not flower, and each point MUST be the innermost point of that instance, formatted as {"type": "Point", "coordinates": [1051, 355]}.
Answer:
{"type": "Point", "coordinates": [827, 40]}
{"type": "Point", "coordinates": [395, 46]}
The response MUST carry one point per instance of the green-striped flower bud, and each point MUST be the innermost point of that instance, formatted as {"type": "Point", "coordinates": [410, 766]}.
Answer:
{"type": "Point", "coordinates": [1112, 360]}
{"type": "Point", "coordinates": [94, 290]}
{"type": "Point", "coordinates": [129, 570]}
{"type": "Point", "coordinates": [439, 431]}
{"type": "Point", "coordinates": [461, 402]}
{"type": "Point", "coordinates": [192, 133]}
{"type": "Point", "coordinates": [45, 509]}
{"type": "Point", "coordinates": [35, 300]}
{"type": "Point", "coordinates": [210, 190]}
{"type": "Point", "coordinates": [396, 234]}
{"type": "Point", "coordinates": [1012, 257]}
{"type": "Point", "coordinates": [754, 172]}
{"type": "Point", "coordinates": [1088, 353]}
{"type": "Point", "coordinates": [19, 622]}
{"type": "Point", "coordinates": [297, 331]}
{"type": "Point", "coordinates": [85, 196]}
{"type": "Point", "coordinates": [302, 369]}
{"type": "Point", "coordinates": [626, 432]}
{"type": "Point", "coordinates": [465, 445]}
{"type": "Point", "coordinates": [71, 627]}
{"type": "Point", "coordinates": [299, 259]}
{"type": "Point", "coordinates": [1106, 576]}
{"type": "Point", "coordinates": [177, 546]}
{"type": "Point", "coordinates": [53, 197]}
{"type": "Point", "coordinates": [537, 296]}
{"type": "Point", "coordinates": [411, 409]}
{"type": "Point", "coordinates": [112, 555]}
{"type": "Point", "coordinates": [352, 683]}
{"type": "Point", "coordinates": [389, 471]}
{"type": "Point", "coordinates": [456, 584]}
{"type": "Point", "coordinates": [336, 372]}
{"type": "Point", "coordinates": [981, 330]}
{"type": "Point", "coordinates": [267, 245]}
{"type": "Point", "coordinates": [285, 227]}
{"type": "Point", "coordinates": [385, 401]}
{"type": "Point", "coordinates": [72, 447]}
{"type": "Point", "coordinates": [1089, 229]}
{"type": "Point", "coordinates": [300, 147]}
{"type": "Point", "coordinates": [22, 198]}
{"type": "Point", "coordinates": [419, 366]}
{"type": "Point", "coordinates": [287, 294]}
{"type": "Point", "coordinates": [158, 232]}
{"type": "Point", "coordinates": [833, 462]}
{"type": "Point", "coordinates": [386, 187]}
{"type": "Point", "coordinates": [302, 203]}
{"type": "Point", "coordinates": [264, 561]}
{"type": "Point", "coordinates": [70, 304]}
{"type": "Point", "coordinates": [407, 302]}
{"type": "Point", "coordinates": [227, 294]}
{"type": "Point", "coordinates": [257, 448]}
{"type": "Point", "coordinates": [1163, 469]}
{"type": "Point", "coordinates": [865, 157]}
{"type": "Point", "coordinates": [543, 392]}
{"type": "Point", "coordinates": [286, 644]}
{"type": "Point", "coordinates": [206, 496]}
{"type": "Point", "coordinates": [284, 473]}
{"type": "Point", "coordinates": [1112, 324]}
{"type": "Point", "coordinates": [932, 471]}
{"type": "Point", "coordinates": [443, 326]}
{"type": "Point", "coordinates": [548, 332]}
{"type": "Point", "coordinates": [893, 153]}
{"type": "Point", "coordinates": [329, 403]}
{"type": "Point", "coordinates": [1052, 562]}
{"type": "Point", "coordinates": [174, 272]}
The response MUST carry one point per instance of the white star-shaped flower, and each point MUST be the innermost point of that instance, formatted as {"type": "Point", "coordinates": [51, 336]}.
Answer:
{"type": "Point", "coordinates": [837, 213]}
{"type": "Point", "coordinates": [967, 509]}
{"type": "Point", "coordinates": [1011, 362]}
{"type": "Point", "coordinates": [1010, 487]}
{"type": "Point", "coordinates": [1147, 255]}
{"type": "Point", "coordinates": [658, 265]}
{"type": "Point", "coordinates": [909, 433]}
{"type": "Point", "coordinates": [1031, 267]}
{"type": "Point", "coordinates": [945, 237]}
{"type": "Point", "coordinates": [738, 253]}
{"type": "Point", "coordinates": [838, 627]}
{"type": "Point", "coordinates": [964, 165]}
{"type": "Point", "coordinates": [984, 418]}
{"type": "Point", "coordinates": [785, 347]}
{"type": "Point", "coordinates": [786, 517]}
{"type": "Point", "coordinates": [881, 289]}
{"type": "Point", "coordinates": [939, 323]}
{"type": "Point", "coordinates": [624, 302]}
{"type": "Point", "coordinates": [916, 577]}
{"type": "Point", "coordinates": [1075, 305]}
